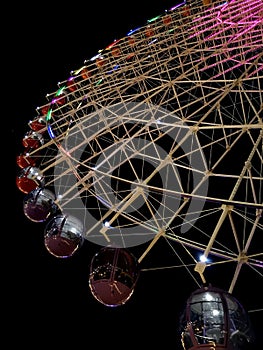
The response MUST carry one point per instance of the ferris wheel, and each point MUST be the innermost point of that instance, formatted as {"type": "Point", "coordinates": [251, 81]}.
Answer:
{"type": "Point", "coordinates": [159, 137]}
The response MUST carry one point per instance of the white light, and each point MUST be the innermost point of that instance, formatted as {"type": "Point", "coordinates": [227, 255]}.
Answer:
{"type": "Point", "coordinates": [203, 258]}
{"type": "Point", "coordinates": [215, 312]}
{"type": "Point", "coordinates": [208, 297]}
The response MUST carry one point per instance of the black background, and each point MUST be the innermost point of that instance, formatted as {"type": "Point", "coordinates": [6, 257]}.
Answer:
{"type": "Point", "coordinates": [48, 301]}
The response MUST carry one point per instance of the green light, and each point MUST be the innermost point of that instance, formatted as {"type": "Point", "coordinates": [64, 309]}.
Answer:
{"type": "Point", "coordinates": [60, 91]}
{"type": "Point", "coordinates": [49, 115]}
{"type": "Point", "coordinates": [98, 82]}
{"type": "Point", "coordinates": [153, 19]}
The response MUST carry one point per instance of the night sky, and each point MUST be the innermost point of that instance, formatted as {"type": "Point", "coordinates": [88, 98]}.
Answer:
{"type": "Point", "coordinates": [47, 300]}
